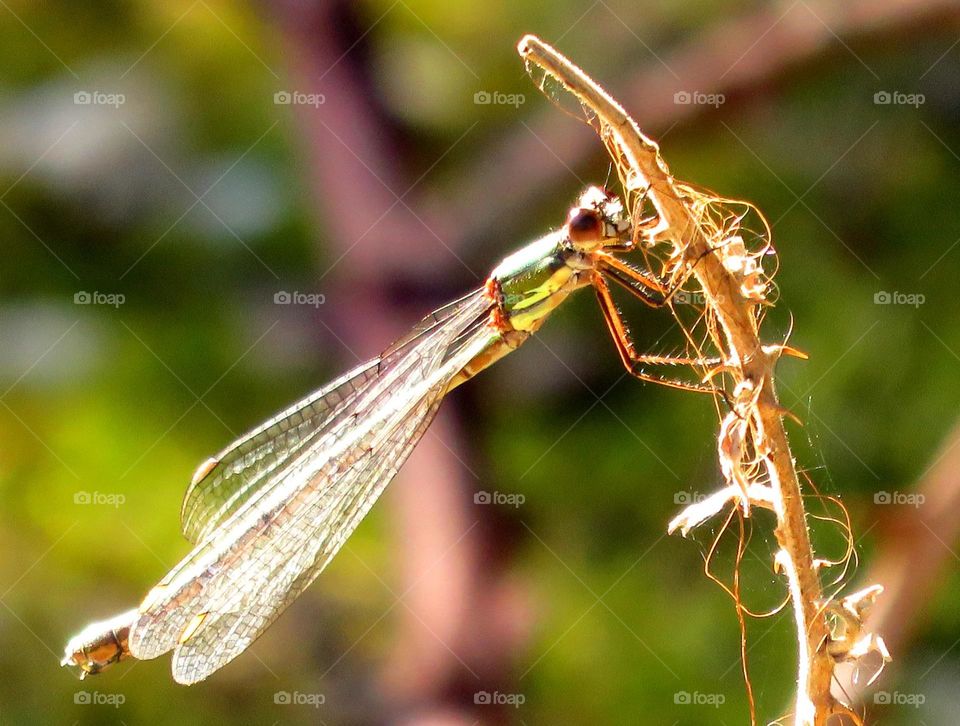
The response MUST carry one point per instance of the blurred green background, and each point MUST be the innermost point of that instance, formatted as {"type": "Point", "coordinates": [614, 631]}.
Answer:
{"type": "Point", "coordinates": [180, 345]}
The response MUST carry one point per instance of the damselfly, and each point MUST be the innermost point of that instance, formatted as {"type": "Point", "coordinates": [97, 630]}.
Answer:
{"type": "Point", "coordinates": [271, 510]}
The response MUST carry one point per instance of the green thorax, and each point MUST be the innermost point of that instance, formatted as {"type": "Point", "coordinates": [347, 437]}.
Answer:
{"type": "Point", "coordinates": [535, 279]}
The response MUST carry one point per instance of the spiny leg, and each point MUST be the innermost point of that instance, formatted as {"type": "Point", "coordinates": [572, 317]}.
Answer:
{"type": "Point", "coordinates": [632, 360]}
{"type": "Point", "coordinates": [639, 282]}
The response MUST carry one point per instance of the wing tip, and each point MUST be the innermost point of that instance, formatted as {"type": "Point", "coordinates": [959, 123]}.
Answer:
{"type": "Point", "coordinates": [203, 471]}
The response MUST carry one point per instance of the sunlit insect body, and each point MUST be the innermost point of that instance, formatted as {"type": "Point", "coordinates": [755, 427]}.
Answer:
{"type": "Point", "coordinates": [270, 511]}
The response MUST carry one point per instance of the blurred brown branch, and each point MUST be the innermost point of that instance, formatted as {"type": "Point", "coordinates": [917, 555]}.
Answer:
{"type": "Point", "coordinates": [915, 545]}
{"type": "Point", "coordinates": [741, 54]}
{"type": "Point", "coordinates": [386, 267]}
{"type": "Point", "coordinates": [725, 282]}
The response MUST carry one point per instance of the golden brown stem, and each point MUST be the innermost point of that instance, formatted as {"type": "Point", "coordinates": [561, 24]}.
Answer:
{"type": "Point", "coordinates": [749, 363]}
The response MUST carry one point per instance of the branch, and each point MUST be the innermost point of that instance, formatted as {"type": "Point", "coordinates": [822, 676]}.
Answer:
{"type": "Point", "coordinates": [753, 440]}
{"type": "Point", "coordinates": [741, 53]}
{"type": "Point", "coordinates": [915, 544]}
{"type": "Point", "coordinates": [376, 277]}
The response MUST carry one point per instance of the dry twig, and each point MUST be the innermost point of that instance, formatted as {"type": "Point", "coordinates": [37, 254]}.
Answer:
{"type": "Point", "coordinates": [703, 233]}
{"type": "Point", "coordinates": [736, 56]}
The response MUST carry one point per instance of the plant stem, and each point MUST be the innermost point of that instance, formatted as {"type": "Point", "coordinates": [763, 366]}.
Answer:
{"type": "Point", "coordinates": [748, 362]}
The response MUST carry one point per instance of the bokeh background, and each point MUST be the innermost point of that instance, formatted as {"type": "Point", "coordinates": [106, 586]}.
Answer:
{"type": "Point", "coordinates": [210, 208]}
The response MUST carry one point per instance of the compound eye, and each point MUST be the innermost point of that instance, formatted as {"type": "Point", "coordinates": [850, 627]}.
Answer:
{"type": "Point", "coordinates": [585, 226]}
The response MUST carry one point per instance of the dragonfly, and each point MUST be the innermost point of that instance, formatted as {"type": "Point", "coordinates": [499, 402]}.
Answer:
{"type": "Point", "coordinates": [270, 511]}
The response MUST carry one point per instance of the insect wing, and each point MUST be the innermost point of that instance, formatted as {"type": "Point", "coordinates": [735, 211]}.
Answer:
{"type": "Point", "coordinates": [243, 574]}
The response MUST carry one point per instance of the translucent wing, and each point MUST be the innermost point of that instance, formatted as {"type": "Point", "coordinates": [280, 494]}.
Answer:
{"type": "Point", "coordinates": [242, 575]}
{"type": "Point", "coordinates": [223, 483]}
{"type": "Point", "coordinates": [226, 633]}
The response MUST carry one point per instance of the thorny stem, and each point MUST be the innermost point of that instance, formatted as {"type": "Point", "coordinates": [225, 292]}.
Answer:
{"type": "Point", "coordinates": [749, 362]}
